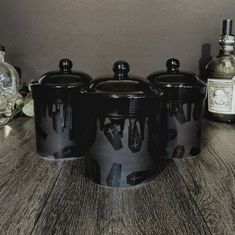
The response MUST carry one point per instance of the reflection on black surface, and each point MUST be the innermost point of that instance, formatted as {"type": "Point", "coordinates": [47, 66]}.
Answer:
{"type": "Point", "coordinates": [138, 177]}
{"type": "Point", "coordinates": [114, 176]}
{"type": "Point", "coordinates": [66, 152]}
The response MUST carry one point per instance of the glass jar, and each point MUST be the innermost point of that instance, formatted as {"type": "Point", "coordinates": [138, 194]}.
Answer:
{"type": "Point", "coordinates": [10, 99]}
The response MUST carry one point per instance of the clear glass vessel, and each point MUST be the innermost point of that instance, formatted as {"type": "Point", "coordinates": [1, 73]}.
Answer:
{"type": "Point", "coordinates": [220, 73]}
{"type": "Point", "coordinates": [9, 84]}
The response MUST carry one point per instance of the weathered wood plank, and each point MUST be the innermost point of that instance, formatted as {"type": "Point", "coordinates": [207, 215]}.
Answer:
{"type": "Point", "coordinates": [26, 180]}
{"type": "Point", "coordinates": [77, 206]}
{"type": "Point", "coordinates": [210, 178]}
{"type": "Point", "coordinates": [191, 196]}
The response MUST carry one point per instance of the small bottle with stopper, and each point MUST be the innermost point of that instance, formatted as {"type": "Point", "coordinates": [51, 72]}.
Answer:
{"type": "Point", "coordinates": [220, 74]}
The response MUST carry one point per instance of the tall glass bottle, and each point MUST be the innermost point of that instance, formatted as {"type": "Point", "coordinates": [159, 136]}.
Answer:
{"type": "Point", "coordinates": [10, 99]}
{"type": "Point", "coordinates": [220, 74]}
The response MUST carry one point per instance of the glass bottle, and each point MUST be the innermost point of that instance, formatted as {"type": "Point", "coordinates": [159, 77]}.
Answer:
{"type": "Point", "coordinates": [9, 84]}
{"type": "Point", "coordinates": [220, 74]}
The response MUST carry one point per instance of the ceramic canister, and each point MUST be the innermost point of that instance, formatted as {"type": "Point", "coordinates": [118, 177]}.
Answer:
{"type": "Point", "coordinates": [182, 110]}
{"type": "Point", "coordinates": [55, 95]}
{"type": "Point", "coordinates": [123, 124]}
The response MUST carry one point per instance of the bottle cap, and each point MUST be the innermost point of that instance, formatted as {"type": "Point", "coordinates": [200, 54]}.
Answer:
{"type": "Point", "coordinates": [2, 48]}
{"type": "Point", "coordinates": [227, 27]}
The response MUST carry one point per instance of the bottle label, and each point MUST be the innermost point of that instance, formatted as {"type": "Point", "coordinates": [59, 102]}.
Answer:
{"type": "Point", "coordinates": [221, 95]}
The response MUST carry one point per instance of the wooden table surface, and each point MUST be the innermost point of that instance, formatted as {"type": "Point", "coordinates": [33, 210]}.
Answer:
{"type": "Point", "coordinates": [190, 196]}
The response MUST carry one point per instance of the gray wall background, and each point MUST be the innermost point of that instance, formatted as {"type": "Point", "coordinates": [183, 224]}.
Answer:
{"type": "Point", "coordinates": [95, 33]}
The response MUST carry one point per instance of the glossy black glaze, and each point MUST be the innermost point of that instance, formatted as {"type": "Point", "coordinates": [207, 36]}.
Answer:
{"type": "Point", "coordinates": [56, 94]}
{"type": "Point", "coordinates": [123, 119]}
{"type": "Point", "coordinates": [182, 110]}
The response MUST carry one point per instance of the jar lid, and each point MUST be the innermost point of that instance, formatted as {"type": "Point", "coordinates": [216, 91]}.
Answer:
{"type": "Point", "coordinates": [123, 95]}
{"type": "Point", "coordinates": [122, 84]}
{"type": "Point", "coordinates": [65, 77]}
{"type": "Point", "coordinates": [173, 77]}
{"type": "Point", "coordinates": [178, 86]}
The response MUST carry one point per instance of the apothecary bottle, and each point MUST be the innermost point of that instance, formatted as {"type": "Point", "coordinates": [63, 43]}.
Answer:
{"type": "Point", "coordinates": [220, 73]}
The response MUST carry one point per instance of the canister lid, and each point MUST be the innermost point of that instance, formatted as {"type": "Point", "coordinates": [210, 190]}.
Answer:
{"type": "Point", "coordinates": [65, 77]}
{"type": "Point", "coordinates": [178, 85]}
{"type": "Point", "coordinates": [123, 95]}
{"type": "Point", "coordinates": [173, 77]}
{"type": "Point", "coordinates": [122, 84]}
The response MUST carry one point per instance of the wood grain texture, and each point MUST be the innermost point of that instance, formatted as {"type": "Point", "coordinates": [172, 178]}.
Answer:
{"type": "Point", "coordinates": [191, 196]}
{"type": "Point", "coordinates": [210, 178]}
{"type": "Point", "coordinates": [77, 206]}
{"type": "Point", "coordinates": [26, 180]}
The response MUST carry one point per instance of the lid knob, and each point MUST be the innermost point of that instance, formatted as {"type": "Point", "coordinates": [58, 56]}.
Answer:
{"type": "Point", "coordinates": [172, 65]}
{"type": "Point", "coordinates": [121, 69]}
{"type": "Point", "coordinates": [65, 65]}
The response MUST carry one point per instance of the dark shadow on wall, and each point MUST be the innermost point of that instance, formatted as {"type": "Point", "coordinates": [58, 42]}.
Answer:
{"type": "Point", "coordinates": [205, 58]}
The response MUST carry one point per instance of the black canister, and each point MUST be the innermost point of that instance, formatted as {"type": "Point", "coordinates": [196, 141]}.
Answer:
{"type": "Point", "coordinates": [55, 95]}
{"type": "Point", "coordinates": [124, 113]}
{"type": "Point", "coordinates": [182, 111]}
